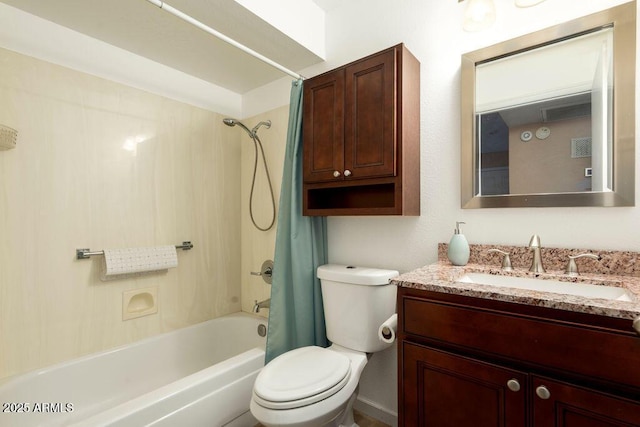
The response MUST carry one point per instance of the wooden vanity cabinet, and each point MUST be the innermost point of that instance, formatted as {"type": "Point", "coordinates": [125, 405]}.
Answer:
{"type": "Point", "coordinates": [467, 361]}
{"type": "Point", "coordinates": [571, 406]}
{"type": "Point", "coordinates": [361, 137]}
{"type": "Point", "coordinates": [446, 390]}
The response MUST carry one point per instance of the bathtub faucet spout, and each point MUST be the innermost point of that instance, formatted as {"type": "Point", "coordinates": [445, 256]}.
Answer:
{"type": "Point", "coordinates": [262, 304]}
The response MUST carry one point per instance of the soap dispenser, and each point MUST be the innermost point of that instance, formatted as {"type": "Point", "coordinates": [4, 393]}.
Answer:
{"type": "Point", "coordinates": [458, 252]}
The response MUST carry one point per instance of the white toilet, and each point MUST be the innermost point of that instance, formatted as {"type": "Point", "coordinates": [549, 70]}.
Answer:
{"type": "Point", "coordinates": [315, 386]}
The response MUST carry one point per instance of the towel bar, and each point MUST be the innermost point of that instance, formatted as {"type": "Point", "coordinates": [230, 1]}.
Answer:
{"type": "Point", "coordinates": [86, 253]}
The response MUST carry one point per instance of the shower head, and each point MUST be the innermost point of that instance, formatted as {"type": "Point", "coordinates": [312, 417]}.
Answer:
{"type": "Point", "coordinates": [232, 122]}
{"type": "Point", "coordinates": [253, 132]}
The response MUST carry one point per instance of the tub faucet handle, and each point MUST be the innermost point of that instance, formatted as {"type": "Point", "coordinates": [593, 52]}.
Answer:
{"type": "Point", "coordinates": [506, 261]}
{"type": "Point", "coordinates": [572, 267]}
{"type": "Point", "coordinates": [266, 271]}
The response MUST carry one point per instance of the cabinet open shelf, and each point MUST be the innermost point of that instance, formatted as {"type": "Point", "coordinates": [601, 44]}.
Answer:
{"type": "Point", "coordinates": [371, 199]}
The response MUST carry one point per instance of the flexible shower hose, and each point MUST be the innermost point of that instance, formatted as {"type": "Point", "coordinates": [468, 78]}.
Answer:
{"type": "Point", "coordinates": [257, 143]}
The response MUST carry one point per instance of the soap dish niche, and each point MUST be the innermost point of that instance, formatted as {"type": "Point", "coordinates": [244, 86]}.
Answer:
{"type": "Point", "coordinates": [139, 302]}
{"type": "Point", "coordinates": [8, 137]}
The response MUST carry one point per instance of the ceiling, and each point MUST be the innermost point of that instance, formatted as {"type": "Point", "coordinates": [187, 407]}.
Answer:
{"type": "Point", "coordinates": [144, 29]}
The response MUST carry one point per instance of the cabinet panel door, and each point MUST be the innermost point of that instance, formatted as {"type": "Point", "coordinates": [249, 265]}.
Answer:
{"type": "Point", "coordinates": [441, 389]}
{"type": "Point", "coordinates": [323, 127]}
{"type": "Point", "coordinates": [370, 121]}
{"type": "Point", "coordinates": [571, 406]}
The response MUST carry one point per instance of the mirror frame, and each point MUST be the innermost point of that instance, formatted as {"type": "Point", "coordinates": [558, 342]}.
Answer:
{"type": "Point", "coordinates": [623, 20]}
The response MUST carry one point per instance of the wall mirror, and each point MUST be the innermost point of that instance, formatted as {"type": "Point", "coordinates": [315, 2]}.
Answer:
{"type": "Point", "coordinates": [548, 119]}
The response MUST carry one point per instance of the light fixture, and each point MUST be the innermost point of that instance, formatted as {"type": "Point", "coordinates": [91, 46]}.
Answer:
{"type": "Point", "coordinates": [479, 15]}
{"type": "Point", "coordinates": [527, 3]}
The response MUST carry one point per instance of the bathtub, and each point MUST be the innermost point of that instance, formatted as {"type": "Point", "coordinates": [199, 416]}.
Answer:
{"type": "Point", "coordinates": [201, 375]}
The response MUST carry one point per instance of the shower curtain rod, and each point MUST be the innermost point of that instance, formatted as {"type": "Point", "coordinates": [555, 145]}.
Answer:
{"type": "Point", "coordinates": [172, 10]}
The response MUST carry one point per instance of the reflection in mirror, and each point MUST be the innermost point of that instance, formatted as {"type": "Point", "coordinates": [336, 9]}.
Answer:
{"type": "Point", "coordinates": [539, 137]}
{"type": "Point", "coordinates": [538, 122]}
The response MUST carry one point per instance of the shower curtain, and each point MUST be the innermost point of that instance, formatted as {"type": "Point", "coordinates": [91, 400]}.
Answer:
{"type": "Point", "coordinates": [296, 317]}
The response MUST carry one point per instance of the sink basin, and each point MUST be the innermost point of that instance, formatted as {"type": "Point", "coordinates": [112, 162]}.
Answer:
{"type": "Point", "coordinates": [555, 286]}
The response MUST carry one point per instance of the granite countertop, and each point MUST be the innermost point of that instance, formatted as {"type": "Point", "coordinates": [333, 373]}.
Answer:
{"type": "Point", "coordinates": [442, 276]}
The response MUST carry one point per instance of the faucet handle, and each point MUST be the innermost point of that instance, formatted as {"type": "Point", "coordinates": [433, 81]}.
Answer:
{"type": "Point", "coordinates": [266, 271]}
{"type": "Point", "coordinates": [572, 267]}
{"type": "Point", "coordinates": [506, 261]}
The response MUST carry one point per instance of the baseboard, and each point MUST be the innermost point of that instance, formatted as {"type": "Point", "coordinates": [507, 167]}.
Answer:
{"type": "Point", "coordinates": [374, 410]}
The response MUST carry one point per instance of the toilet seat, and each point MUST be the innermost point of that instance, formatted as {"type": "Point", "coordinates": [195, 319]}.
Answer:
{"type": "Point", "coordinates": [301, 377]}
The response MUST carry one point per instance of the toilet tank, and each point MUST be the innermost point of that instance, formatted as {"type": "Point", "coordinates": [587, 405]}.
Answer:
{"type": "Point", "coordinates": [357, 300]}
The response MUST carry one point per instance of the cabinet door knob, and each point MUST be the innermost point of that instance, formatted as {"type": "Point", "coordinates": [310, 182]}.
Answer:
{"type": "Point", "coordinates": [513, 384]}
{"type": "Point", "coordinates": [336, 174]}
{"type": "Point", "coordinates": [347, 172]}
{"type": "Point", "coordinates": [543, 392]}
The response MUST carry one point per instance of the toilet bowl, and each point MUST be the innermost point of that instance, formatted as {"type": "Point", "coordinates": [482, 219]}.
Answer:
{"type": "Point", "coordinates": [315, 386]}
{"type": "Point", "coordinates": [309, 386]}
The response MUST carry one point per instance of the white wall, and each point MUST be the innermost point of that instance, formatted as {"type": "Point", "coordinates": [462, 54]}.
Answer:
{"type": "Point", "coordinates": [432, 30]}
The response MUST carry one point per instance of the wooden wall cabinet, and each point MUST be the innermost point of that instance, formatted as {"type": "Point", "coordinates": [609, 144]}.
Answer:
{"type": "Point", "coordinates": [469, 362]}
{"type": "Point", "coordinates": [361, 137]}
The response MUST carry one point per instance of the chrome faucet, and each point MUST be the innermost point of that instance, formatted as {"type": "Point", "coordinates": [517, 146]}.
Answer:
{"type": "Point", "coordinates": [536, 264]}
{"type": "Point", "coordinates": [262, 304]}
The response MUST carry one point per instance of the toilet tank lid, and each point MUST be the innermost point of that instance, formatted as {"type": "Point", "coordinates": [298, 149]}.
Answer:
{"type": "Point", "coordinates": [355, 275]}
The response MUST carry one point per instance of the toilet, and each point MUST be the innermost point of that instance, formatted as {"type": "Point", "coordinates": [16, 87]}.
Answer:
{"type": "Point", "coordinates": [315, 386]}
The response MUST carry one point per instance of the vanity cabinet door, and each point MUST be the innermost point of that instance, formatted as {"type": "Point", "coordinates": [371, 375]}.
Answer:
{"type": "Point", "coordinates": [557, 404]}
{"type": "Point", "coordinates": [441, 389]}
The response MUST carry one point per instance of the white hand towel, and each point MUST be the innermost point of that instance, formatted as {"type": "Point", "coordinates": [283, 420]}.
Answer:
{"type": "Point", "coordinates": [122, 263]}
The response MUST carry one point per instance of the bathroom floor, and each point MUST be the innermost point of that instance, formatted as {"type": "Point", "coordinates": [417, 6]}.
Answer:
{"type": "Point", "coordinates": [366, 421]}
{"type": "Point", "coordinates": [362, 420]}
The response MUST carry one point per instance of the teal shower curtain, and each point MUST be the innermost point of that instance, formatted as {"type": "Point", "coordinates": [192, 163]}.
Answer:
{"type": "Point", "coordinates": [296, 318]}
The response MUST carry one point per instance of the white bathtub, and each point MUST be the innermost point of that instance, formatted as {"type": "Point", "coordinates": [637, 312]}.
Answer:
{"type": "Point", "coordinates": [201, 375]}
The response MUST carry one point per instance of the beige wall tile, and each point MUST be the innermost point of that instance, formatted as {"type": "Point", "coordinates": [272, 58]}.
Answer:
{"type": "Point", "coordinates": [70, 184]}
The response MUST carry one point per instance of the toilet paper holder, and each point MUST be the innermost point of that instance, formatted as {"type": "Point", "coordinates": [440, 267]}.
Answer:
{"type": "Point", "coordinates": [387, 331]}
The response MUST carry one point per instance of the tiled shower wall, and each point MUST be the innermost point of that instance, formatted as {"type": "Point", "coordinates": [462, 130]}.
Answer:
{"type": "Point", "coordinates": [102, 165]}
